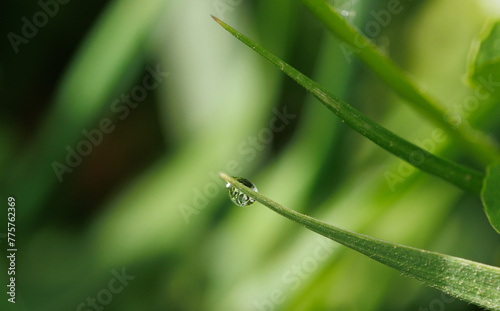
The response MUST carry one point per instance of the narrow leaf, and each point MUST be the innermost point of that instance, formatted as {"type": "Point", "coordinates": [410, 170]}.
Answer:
{"type": "Point", "coordinates": [463, 177]}
{"type": "Point", "coordinates": [478, 143]}
{"type": "Point", "coordinates": [468, 280]}
{"type": "Point", "coordinates": [490, 195]}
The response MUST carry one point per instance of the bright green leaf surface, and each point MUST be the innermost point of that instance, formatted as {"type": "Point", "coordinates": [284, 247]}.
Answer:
{"type": "Point", "coordinates": [491, 195]}
{"type": "Point", "coordinates": [468, 280]}
{"type": "Point", "coordinates": [484, 61]}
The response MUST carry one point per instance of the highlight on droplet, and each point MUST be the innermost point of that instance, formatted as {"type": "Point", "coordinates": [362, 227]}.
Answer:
{"type": "Point", "coordinates": [238, 197]}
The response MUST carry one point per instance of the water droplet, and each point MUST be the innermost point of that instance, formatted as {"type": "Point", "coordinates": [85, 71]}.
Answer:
{"type": "Point", "coordinates": [238, 197]}
{"type": "Point", "coordinates": [344, 13]}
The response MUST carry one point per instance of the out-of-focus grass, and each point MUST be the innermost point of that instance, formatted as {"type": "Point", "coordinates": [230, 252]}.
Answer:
{"type": "Point", "coordinates": [99, 71]}
{"type": "Point", "coordinates": [227, 258]}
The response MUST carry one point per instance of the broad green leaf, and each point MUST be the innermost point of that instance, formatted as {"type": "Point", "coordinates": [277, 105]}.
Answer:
{"type": "Point", "coordinates": [490, 195]}
{"type": "Point", "coordinates": [468, 280]}
{"type": "Point", "coordinates": [461, 176]}
{"type": "Point", "coordinates": [484, 58]}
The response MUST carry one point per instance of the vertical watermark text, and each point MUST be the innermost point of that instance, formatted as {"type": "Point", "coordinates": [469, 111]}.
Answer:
{"type": "Point", "coordinates": [11, 249]}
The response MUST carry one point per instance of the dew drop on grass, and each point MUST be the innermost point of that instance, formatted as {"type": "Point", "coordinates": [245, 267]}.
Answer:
{"type": "Point", "coordinates": [238, 197]}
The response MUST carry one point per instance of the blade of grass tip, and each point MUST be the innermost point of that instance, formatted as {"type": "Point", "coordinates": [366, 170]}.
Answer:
{"type": "Point", "coordinates": [482, 146]}
{"type": "Point", "coordinates": [461, 176]}
{"type": "Point", "coordinates": [467, 280]}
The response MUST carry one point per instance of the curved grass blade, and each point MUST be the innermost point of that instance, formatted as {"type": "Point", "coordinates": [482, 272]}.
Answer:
{"type": "Point", "coordinates": [467, 280]}
{"type": "Point", "coordinates": [490, 195]}
{"type": "Point", "coordinates": [461, 176]}
{"type": "Point", "coordinates": [483, 146]}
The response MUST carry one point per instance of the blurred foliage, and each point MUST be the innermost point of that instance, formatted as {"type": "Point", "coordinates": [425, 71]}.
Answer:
{"type": "Point", "coordinates": [147, 198]}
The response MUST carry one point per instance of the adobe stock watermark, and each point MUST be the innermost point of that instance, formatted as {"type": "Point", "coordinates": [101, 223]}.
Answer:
{"type": "Point", "coordinates": [223, 6]}
{"type": "Point", "coordinates": [373, 28]}
{"type": "Point", "coordinates": [438, 304]}
{"type": "Point", "coordinates": [417, 157]}
{"type": "Point", "coordinates": [249, 149]}
{"type": "Point", "coordinates": [121, 107]}
{"type": "Point", "coordinates": [293, 277]}
{"type": "Point", "coordinates": [105, 296]}
{"type": "Point", "coordinates": [30, 27]}
{"type": "Point", "coordinates": [455, 116]}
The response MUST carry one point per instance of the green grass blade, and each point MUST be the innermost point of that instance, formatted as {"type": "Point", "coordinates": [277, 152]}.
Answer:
{"type": "Point", "coordinates": [467, 280]}
{"type": "Point", "coordinates": [478, 143]}
{"type": "Point", "coordinates": [490, 195]}
{"type": "Point", "coordinates": [461, 176]}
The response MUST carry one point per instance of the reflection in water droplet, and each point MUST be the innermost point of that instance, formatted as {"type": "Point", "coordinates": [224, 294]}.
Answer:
{"type": "Point", "coordinates": [238, 197]}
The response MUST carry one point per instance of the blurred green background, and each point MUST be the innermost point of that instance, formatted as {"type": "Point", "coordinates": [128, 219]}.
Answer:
{"type": "Point", "coordinates": [118, 115]}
